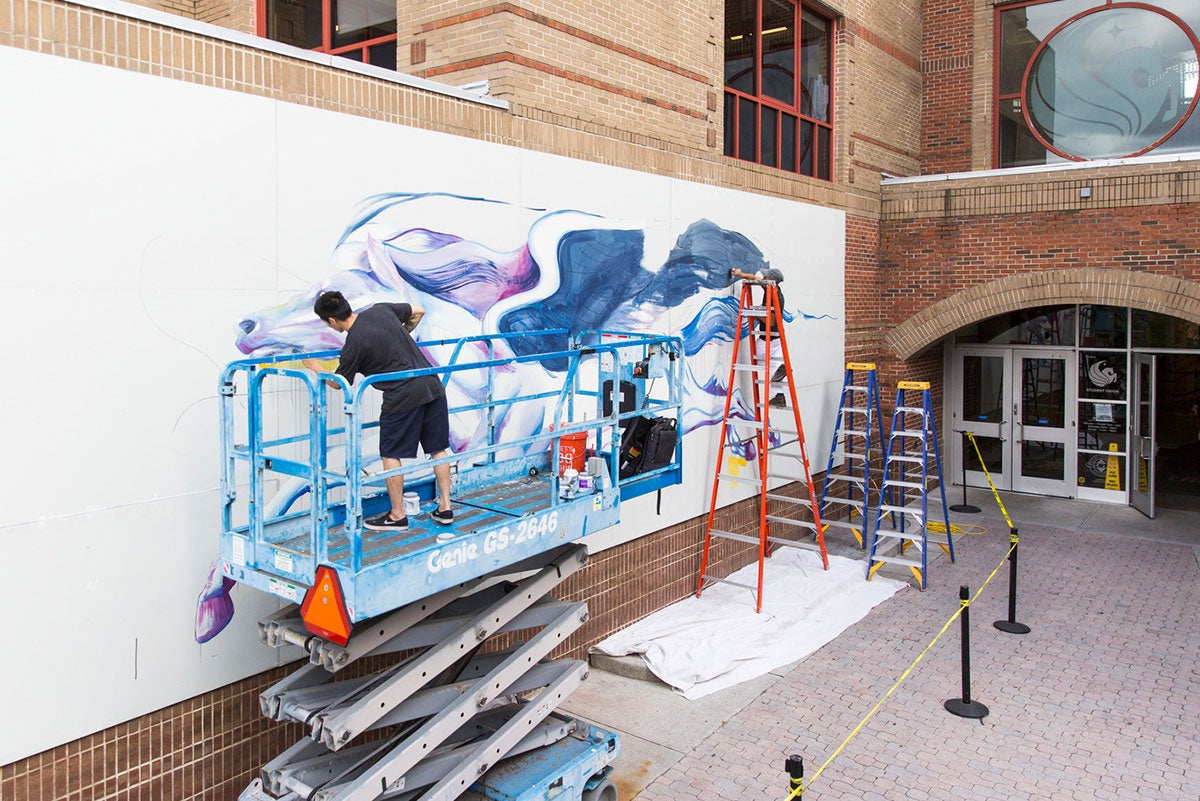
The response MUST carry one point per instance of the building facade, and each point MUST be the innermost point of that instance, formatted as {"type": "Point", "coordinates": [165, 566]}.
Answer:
{"type": "Point", "coordinates": [1019, 181]}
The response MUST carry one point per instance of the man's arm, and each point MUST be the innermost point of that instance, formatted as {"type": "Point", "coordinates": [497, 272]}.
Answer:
{"type": "Point", "coordinates": [414, 316]}
{"type": "Point", "coordinates": [317, 367]}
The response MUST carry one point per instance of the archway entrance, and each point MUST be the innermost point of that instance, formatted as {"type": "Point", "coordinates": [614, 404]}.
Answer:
{"type": "Point", "coordinates": [1079, 401]}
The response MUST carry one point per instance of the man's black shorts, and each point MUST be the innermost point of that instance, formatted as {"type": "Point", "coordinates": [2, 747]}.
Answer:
{"type": "Point", "coordinates": [399, 433]}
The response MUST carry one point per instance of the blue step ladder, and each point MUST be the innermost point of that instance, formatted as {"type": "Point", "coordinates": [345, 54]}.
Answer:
{"type": "Point", "coordinates": [906, 469]}
{"type": "Point", "coordinates": [858, 429]}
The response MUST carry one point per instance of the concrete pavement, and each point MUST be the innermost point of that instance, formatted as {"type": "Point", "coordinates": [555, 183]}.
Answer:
{"type": "Point", "coordinates": [1100, 701]}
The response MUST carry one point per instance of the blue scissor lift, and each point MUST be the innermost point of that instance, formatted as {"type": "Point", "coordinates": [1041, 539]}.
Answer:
{"type": "Point", "coordinates": [459, 695]}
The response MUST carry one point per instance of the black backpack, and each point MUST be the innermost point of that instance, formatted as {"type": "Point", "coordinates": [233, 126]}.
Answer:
{"type": "Point", "coordinates": [648, 443]}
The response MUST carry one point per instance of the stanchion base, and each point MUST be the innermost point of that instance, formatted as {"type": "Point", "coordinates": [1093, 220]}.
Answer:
{"type": "Point", "coordinates": [1012, 627]}
{"type": "Point", "coordinates": [966, 508]}
{"type": "Point", "coordinates": [966, 709]}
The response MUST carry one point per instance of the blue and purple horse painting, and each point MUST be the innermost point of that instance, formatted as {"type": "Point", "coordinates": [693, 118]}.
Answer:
{"type": "Point", "coordinates": [481, 266]}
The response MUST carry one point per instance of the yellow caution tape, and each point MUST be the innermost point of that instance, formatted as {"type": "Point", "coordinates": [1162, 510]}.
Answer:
{"type": "Point", "coordinates": [988, 476]}
{"type": "Point", "coordinates": [800, 788]}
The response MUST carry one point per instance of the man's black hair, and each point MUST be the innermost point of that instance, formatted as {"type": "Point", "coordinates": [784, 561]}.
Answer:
{"type": "Point", "coordinates": [332, 304]}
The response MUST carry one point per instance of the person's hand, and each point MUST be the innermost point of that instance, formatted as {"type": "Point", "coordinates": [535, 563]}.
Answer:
{"type": "Point", "coordinates": [312, 364]}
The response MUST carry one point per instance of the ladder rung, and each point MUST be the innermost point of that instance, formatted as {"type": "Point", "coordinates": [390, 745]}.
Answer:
{"type": "Point", "coordinates": [841, 477]}
{"type": "Point", "coordinates": [909, 432]}
{"type": "Point", "coordinates": [790, 522]}
{"type": "Point", "coordinates": [808, 546]}
{"type": "Point", "coordinates": [729, 535]}
{"type": "Point", "coordinates": [775, 455]}
{"type": "Point", "coordinates": [856, 409]}
{"type": "Point", "coordinates": [899, 560]}
{"type": "Point", "coordinates": [910, 409]}
{"type": "Point", "coordinates": [845, 502]}
{"type": "Point", "coordinates": [775, 496]}
{"type": "Point", "coordinates": [913, 459]}
{"type": "Point", "coordinates": [891, 482]}
{"type": "Point", "coordinates": [856, 432]}
{"type": "Point", "coordinates": [750, 587]}
{"type": "Point", "coordinates": [889, 508]}
{"type": "Point", "coordinates": [915, 536]}
{"type": "Point", "coordinates": [732, 477]}
{"type": "Point", "coordinates": [842, 524]}
{"type": "Point", "coordinates": [849, 455]}
{"type": "Point", "coordinates": [855, 388]}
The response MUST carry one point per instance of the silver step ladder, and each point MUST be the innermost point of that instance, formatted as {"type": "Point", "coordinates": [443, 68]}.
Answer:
{"type": "Point", "coordinates": [857, 430]}
{"type": "Point", "coordinates": [912, 451]}
{"type": "Point", "coordinates": [439, 705]}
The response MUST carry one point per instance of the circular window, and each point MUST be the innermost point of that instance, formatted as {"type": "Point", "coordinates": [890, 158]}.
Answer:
{"type": "Point", "coordinates": [1112, 82]}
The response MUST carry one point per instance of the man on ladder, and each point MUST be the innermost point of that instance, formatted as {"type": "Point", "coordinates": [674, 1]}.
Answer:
{"type": "Point", "coordinates": [764, 327]}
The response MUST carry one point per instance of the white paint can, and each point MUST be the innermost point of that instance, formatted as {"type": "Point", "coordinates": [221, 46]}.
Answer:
{"type": "Point", "coordinates": [412, 503]}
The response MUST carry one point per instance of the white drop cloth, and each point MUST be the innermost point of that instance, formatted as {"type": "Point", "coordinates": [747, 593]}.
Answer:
{"type": "Point", "coordinates": [701, 645]}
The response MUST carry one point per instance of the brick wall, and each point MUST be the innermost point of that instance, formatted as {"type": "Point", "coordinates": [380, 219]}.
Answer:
{"type": "Point", "coordinates": [208, 748]}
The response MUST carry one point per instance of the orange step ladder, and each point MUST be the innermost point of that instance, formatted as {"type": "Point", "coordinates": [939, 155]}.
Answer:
{"type": "Point", "coordinates": [769, 442]}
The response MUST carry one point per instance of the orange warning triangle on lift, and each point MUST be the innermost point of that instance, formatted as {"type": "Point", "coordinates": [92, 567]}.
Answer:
{"type": "Point", "coordinates": [323, 610]}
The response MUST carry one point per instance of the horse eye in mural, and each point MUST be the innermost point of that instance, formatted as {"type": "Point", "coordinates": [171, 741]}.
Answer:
{"type": "Point", "coordinates": [1112, 82]}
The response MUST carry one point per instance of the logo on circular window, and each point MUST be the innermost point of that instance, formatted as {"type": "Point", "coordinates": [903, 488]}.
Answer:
{"type": "Point", "coordinates": [1112, 82]}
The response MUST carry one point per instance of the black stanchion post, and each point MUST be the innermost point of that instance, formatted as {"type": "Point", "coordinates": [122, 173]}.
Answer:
{"type": "Point", "coordinates": [968, 508]}
{"type": "Point", "coordinates": [1011, 625]}
{"type": "Point", "coordinates": [795, 769]}
{"type": "Point", "coordinates": [964, 707]}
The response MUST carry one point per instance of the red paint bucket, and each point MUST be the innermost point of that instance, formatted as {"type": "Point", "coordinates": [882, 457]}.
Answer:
{"type": "Point", "coordinates": [572, 452]}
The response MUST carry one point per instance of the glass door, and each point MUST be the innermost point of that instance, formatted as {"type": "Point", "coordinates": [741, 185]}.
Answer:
{"type": "Point", "coordinates": [1142, 440]}
{"type": "Point", "coordinates": [982, 396]}
{"type": "Point", "coordinates": [1043, 441]}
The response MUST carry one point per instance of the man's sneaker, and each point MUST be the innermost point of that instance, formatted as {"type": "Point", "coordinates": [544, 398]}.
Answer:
{"type": "Point", "coordinates": [779, 401]}
{"type": "Point", "coordinates": [384, 522]}
{"type": "Point", "coordinates": [780, 374]}
{"type": "Point", "coordinates": [445, 517]}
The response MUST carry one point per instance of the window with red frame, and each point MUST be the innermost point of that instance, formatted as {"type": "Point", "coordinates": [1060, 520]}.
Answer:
{"type": "Point", "coordinates": [1078, 80]}
{"type": "Point", "coordinates": [778, 86]}
{"type": "Point", "coordinates": [362, 30]}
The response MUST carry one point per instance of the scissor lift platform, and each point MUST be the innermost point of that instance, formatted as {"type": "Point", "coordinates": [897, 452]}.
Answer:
{"type": "Point", "coordinates": [452, 710]}
{"type": "Point", "coordinates": [507, 507]}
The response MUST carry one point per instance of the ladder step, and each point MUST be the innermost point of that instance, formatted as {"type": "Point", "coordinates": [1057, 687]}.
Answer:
{"type": "Point", "coordinates": [909, 432]}
{"type": "Point", "coordinates": [805, 502]}
{"type": "Point", "coordinates": [808, 524]}
{"type": "Point", "coordinates": [730, 535]}
{"type": "Point", "coordinates": [856, 409]}
{"type": "Point", "coordinates": [899, 560]}
{"type": "Point", "coordinates": [890, 482]}
{"type": "Point", "coordinates": [850, 455]}
{"type": "Point", "coordinates": [913, 459]}
{"type": "Point", "coordinates": [842, 524]}
{"type": "Point", "coordinates": [856, 432]}
{"type": "Point", "coordinates": [743, 479]}
{"type": "Point", "coordinates": [855, 388]}
{"type": "Point", "coordinates": [750, 587]}
{"type": "Point", "coordinates": [841, 477]}
{"type": "Point", "coordinates": [906, 510]}
{"type": "Point", "coordinates": [846, 502]}
{"type": "Point", "coordinates": [910, 410]}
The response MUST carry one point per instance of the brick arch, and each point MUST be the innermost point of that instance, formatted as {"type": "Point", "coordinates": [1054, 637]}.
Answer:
{"type": "Point", "coordinates": [1156, 293]}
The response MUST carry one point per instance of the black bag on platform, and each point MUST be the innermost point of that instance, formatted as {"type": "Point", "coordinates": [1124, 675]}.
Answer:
{"type": "Point", "coordinates": [648, 443]}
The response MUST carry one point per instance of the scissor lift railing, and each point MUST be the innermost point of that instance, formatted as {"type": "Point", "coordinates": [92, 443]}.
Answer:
{"type": "Point", "coordinates": [447, 705]}
{"type": "Point", "coordinates": [510, 503]}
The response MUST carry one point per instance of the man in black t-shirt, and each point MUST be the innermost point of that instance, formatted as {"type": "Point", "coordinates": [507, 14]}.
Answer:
{"type": "Point", "coordinates": [378, 340]}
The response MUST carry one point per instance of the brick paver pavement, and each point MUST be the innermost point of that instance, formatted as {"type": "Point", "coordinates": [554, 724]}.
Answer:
{"type": "Point", "coordinates": [1100, 701]}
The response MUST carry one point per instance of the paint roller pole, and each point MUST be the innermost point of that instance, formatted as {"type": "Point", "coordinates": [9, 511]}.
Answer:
{"type": "Point", "coordinates": [968, 508]}
{"type": "Point", "coordinates": [794, 765]}
{"type": "Point", "coordinates": [964, 707]}
{"type": "Point", "coordinates": [1011, 625]}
